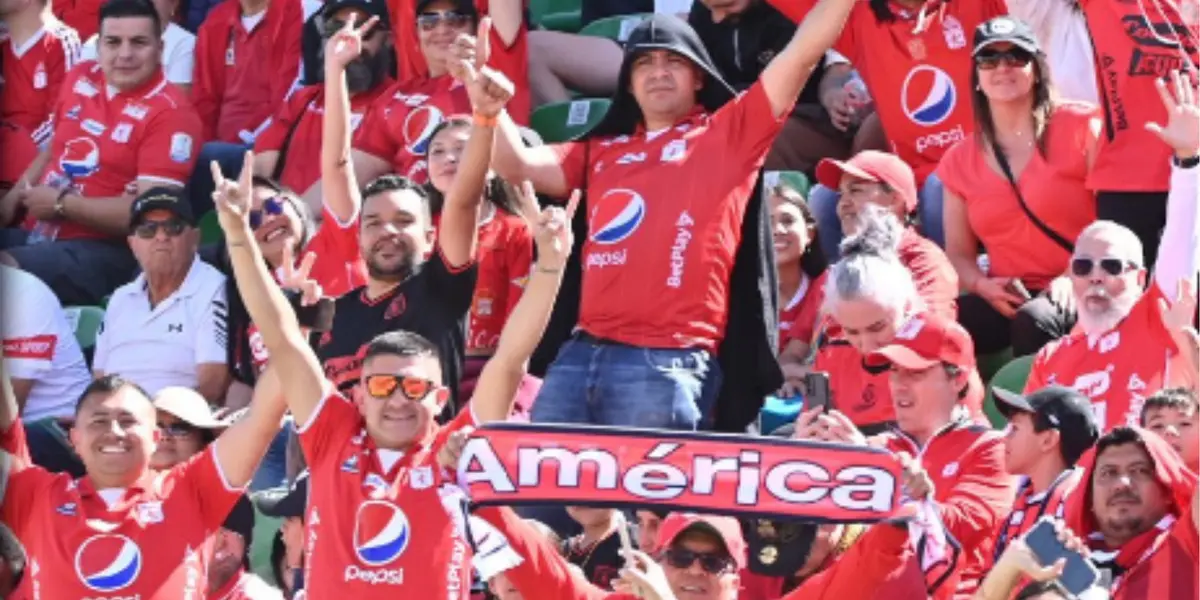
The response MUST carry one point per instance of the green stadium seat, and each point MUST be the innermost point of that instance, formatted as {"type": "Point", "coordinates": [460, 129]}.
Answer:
{"type": "Point", "coordinates": [210, 229]}
{"type": "Point", "coordinates": [86, 321]}
{"type": "Point", "coordinates": [264, 535]}
{"type": "Point", "coordinates": [1010, 377]}
{"type": "Point", "coordinates": [990, 364]}
{"type": "Point", "coordinates": [613, 28]}
{"type": "Point", "coordinates": [564, 121]}
{"type": "Point", "coordinates": [793, 179]}
{"type": "Point", "coordinates": [557, 15]}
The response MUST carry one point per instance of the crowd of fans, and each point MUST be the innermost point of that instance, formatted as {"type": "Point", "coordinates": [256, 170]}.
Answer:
{"type": "Point", "coordinates": [267, 265]}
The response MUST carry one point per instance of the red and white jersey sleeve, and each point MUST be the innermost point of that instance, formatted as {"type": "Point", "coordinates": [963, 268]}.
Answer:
{"type": "Point", "coordinates": [33, 74]}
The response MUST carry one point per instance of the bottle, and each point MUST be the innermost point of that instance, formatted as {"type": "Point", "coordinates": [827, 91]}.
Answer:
{"type": "Point", "coordinates": [857, 97]}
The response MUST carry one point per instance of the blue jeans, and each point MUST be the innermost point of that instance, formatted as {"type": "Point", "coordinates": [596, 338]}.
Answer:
{"type": "Point", "coordinates": [823, 203]}
{"type": "Point", "coordinates": [201, 184]}
{"type": "Point", "coordinates": [272, 471]}
{"type": "Point", "coordinates": [604, 383]}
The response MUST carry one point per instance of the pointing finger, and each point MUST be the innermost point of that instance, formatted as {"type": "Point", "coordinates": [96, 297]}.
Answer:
{"type": "Point", "coordinates": [573, 204]}
{"type": "Point", "coordinates": [289, 261]}
{"type": "Point", "coordinates": [529, 199]}
{"type": "Point", "coordinates": [247, 177]}
{"type": "Point", "coordinates": [482, 43]}
{"type": "Point", "coordinates": [217, 175]}
{"type": "Point", "coordinates": [366, 28]}
{"type": "Point", "coordinates": [306, 265]}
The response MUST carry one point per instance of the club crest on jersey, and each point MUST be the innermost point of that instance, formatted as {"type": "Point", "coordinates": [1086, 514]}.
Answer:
{"type": "Point", "coordinates": [39, 77]}
{"type": "Point", "coordinates": [122, 132]}
{"type": "Point", "coordinates": [952, 30]}
{"type": "Point", "coordinates": [419, 126]}
{"type": "Point", "coordinates": [84, 88]}
{"type": "Point", "coordinates": [108, 562]}
{"type": "Point", "coordinates": [181, 147]}
{"type": "Point", "coordinates": [421, 478]}
{"type": "Point", "coordinates": [673, 151]}
{"type": "Point", "coordinates": [149, 513]}
{"type": "Point", "coordinates": [618, 214]}
{"type": "Point", "coordinates": [928, 95]}
{"type": "Point", "coordinates": [381, 533]}
{"type": "Point", "coordinates": [80, 158]}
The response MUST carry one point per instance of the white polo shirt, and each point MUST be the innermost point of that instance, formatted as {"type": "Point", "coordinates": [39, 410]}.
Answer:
{"type": "Point", "coordinates": [39, 345]}
{"type": "Point", "coordinates": [162, 346]}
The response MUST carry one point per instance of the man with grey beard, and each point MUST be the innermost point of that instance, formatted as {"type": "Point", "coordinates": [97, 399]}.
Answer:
{"type": "Point", "coordinates": [289, 149]}
{"type": "Point", "coordinates": [1122, 351]}
{"type": "Point", "coordinates": [229, 576]}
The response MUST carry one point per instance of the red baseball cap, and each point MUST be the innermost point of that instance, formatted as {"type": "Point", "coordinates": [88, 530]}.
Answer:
{"type": "Point", "coordinates": [924, 341]}
{"type": "Point", "coordinates": [872, 165]}
{"type": "Point", "coordinates": [727, 529]}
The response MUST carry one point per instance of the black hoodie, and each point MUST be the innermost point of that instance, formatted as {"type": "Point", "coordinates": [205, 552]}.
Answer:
{"type": "Point", "coordinates": [747, 354]}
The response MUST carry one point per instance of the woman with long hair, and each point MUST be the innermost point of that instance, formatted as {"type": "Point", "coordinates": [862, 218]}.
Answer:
{"type": "Point", "coordinates": [800, 266]}
{"type": "Point", "coordinates": [504, 256]}
{"type": "Point", "coordinates": [1017, 187]}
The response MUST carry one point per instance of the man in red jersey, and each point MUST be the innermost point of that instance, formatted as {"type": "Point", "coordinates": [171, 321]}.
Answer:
{"type": "Point", "coordinates": [915, 58]}
{"type": "Point", "coordinates": [383, 518]}
{"type": "Point", "coordinates": [1136, 44]}
{"type": "Point", "coordinates": [669, 174]}
{"type": "Point", "coordinates": [119, 129]}
{"type": "Point", "coordinates": [125, 530]}
{"type": "Point", "coordinates": [395, 135]}
{"type": "Point", "coordinates": [953, 466]}
{"type": "Point", "coordinates": [36, 53]}
{"type": "Point", "coordinates": [1048, 431]}
{"type": "Point", "coordinates": [1137, 510]}
{"type": "Point", "coordinates": [1121, 351]}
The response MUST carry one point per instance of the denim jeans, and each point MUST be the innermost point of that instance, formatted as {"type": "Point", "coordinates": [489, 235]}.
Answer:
{"type": "Point", "coordinates": [823, 203]}
{"type": "Point", "coordinates": [201, 184]}
{"type": "Point", "coordinates": [604, 383]}
{"type": "Point", "coordinates": [272, 471]}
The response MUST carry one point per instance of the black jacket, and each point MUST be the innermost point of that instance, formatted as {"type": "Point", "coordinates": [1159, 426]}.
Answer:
{"type": "Point", "coordinates": [747, 355]}
{"type": "Point", "coordinates": [744, 44]}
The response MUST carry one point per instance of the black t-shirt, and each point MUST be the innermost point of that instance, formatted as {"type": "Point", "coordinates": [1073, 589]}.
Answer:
{"type": "Point", "coordinates": [600, 562]}
{"type": "Point", "coordinates": [433, 302]}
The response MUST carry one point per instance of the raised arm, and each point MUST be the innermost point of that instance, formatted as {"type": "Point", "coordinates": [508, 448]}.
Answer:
{"type": "Point", "coordinates": [305, 384]}
{"type": "Point", "coordinates": [489, 90]}
{"type": "Point", "coordinates": [339, 185]}
{"type": "Point", "coordinates": [503, 372]}
{"type": "Point", "coordinates": [1177, 260]}
{"type": "Point", "coordinates": [515, 162]}
{"type": "Point", "coordinates": [789, 70]}
{"type": "Point", "coordinates": [242, 446]}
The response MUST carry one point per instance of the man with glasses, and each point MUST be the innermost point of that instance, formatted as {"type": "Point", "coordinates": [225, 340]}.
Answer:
{"type": "Point", "coordinates": [168, 326]}
{"type": "Point", "coordinates": [394, 137]}
{"type": "Point", "coordinates": [1121, 352]}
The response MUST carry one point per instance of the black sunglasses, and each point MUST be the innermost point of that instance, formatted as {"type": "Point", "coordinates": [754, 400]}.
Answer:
{"type": "Point", "coordinates": [271, 206]}
{"type": "Point", "coordinates": [1013, 58]}
{"type": "Point", "coordinates": [1082, 267]}
{"type": "Point", "coordinates": [177, 429]}
{"type": "Point", "coordinates": [428, 21]}
{"type": "Point", "coordinates": [713, 563]}
{"type": "Point", "coordinates": [148, 229]}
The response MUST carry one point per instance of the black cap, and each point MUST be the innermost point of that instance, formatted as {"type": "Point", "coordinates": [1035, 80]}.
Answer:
{"type": "Point", "coordinates": [282, 503]}
{"type": "Point", "coordinates": [241, 519]}
{"type": "Point", "coordinates": [170, 199]}
{"type": "Point", "coordinates": [373, 8]}
{"type": "Point", "coordinates": [1005, 29]}
{"type": "Point", "coordinates": [463, 6]}
{"type": "Point", "coordinates": [1056, 407]}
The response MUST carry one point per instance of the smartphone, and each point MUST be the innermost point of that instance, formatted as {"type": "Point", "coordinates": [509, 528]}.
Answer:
{"type": "Point", "coordinates": [1079, 574]}
{"type": "Point", "coordinates": [1019, 289]}
{"type": "Point", "coordinates": [816, 391]}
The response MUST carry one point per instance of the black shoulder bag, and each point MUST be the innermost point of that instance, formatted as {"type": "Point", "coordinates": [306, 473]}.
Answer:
{"type": "Point", "coordinates": [1050, 233]}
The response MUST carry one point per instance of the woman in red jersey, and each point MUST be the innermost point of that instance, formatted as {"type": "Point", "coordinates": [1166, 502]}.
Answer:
{"type": "Point", "coordinates": [1017, 186]}
{"type": "Point", "coordinates": [801, 274]}
{"type": "Point", "coordinates": [505, 253]}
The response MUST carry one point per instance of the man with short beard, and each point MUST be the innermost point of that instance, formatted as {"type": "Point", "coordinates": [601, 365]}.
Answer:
{"type": "Point", "coordinates": [289, 148]}
{"type": "Point", "coordinates": [1121, 351]}
{"type": "Point", "coordinates": [229, 576]}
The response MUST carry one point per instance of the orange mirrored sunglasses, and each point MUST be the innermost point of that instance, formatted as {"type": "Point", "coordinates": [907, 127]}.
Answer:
{"type": "Point", "coordinates": [383, 386]}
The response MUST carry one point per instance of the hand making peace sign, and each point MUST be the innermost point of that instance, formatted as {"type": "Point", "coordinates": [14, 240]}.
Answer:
{"type": "Point", "coordinates": [346, 44]}
{"type": "Point", "coordinates": [488, 88]}
{"type": "Point", "coordinates": [551, 227]}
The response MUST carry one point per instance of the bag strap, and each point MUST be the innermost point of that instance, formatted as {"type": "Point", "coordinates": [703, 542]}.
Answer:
{"type": "Point", "coordinates": [1050, 233]}
{"type": "Point", "coordinates": [281, 162]}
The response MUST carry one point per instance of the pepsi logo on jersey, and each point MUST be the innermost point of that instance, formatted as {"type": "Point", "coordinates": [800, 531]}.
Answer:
{"type": "Point", "coordinates": [928, 97]}
{"type": "Point", "coordinates": [108, 563]}
{"type": "Point", "coordinates": [381, 534]}
{"type": "Point", "coordinates": [616, 217]}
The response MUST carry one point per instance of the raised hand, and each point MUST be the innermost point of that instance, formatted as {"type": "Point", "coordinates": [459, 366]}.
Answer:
{"type": "Point", "coordinates": [642, 577]}
{"type": "Point", "coordinates": [453, 448]}
{"type": "Point", "coordinates": [346, 44]}
{"type": "Point", "coordinates": [233, 197]}
{"type": "Point", "coordinates": [1182, 131]}
{"type": "Point", "coordinates": [488, 88]}
{"type": "Point", "coordinates": [551, 227]}
{"type": "Point", "coordinates": [296, 277]}
{"type": "Point", "coordinates": [473, 50]}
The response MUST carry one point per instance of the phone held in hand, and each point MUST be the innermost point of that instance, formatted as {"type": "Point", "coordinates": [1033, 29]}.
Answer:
{"type": "Point", "coordinates": [816, 391]}
{"type": "Point", "coordinates": [1079, 575]}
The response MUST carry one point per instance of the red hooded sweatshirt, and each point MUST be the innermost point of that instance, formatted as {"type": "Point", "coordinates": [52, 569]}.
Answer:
{"type": "Point", "coordinates": [879, 558]}
{"type": "Point", "coordinates": [1160, 563]}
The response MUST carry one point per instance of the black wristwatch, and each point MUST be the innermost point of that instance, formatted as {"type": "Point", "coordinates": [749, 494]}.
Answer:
{"type": "Point", "coordinates": [1186, 163]}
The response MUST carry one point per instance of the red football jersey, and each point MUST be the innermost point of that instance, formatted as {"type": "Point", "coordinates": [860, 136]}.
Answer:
{"type": "Point", "coordinates": [1117, 370]}
{"type": "Point", "coordinates": [505, 255]}
{"type": "Point", "coordinates": [798, 320]}
{"type": "Point", "coordinates": [33, 75]}
{"type": "Point", "coordinates": [1030, 507]}
{"type": "Point", "coordinates": [399, 128]}
{"type": "Point", "coordinates": [664, 221]}
{"type": "Point", "coordinates": [375, 534]}
{"type": "Point", "coordinates": [917, 70]}
{"type": "Point", "coordinates": [303, 114]}
{"type": "Point", "coordinates": [153, 544]}
{"type": "Point", "coordinates": [103, 145]}
{"type": "Point", "coordinates": [81, 15]}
